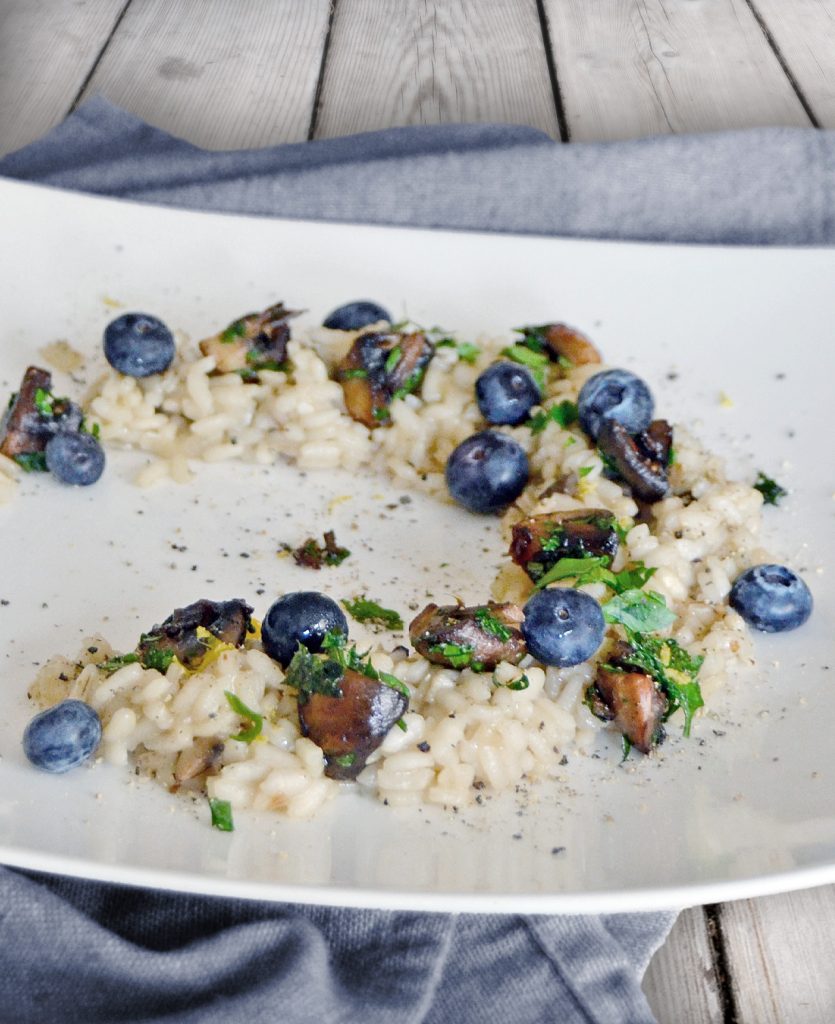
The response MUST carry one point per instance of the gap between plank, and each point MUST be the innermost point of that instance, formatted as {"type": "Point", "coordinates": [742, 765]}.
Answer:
{"type": "Point", "coordinates": [565, 135]}
{"type": "Point", "coordinates": [787, 71]}
{"type": "Point", "coordinates": [721, 963]}
{"type": "Point", "coordinates": [98, 60]}
{"type": "Point", "coordinates": [317, 96]}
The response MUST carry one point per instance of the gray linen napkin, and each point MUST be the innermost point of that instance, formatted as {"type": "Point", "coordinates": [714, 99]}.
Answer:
{"type": "Point", "coordinates": [90, 953]}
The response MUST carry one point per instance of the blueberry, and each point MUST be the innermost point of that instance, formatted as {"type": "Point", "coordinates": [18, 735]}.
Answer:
{"type": "Point", "coordinates": [354, 315]}
{"type": "Point", "coordinates": [487, 472]}
{"type": "Point", "coordinates": [63, 736]}
{"type": "Point", "coordinates": [75, 458]}
{"type": "Point", "coordinates": [771, 598]}
{"type": "Point", "coordinates": [506, 393]}
{"type": "Point", "coordinates": [562, 626]}
{"type": "Point", "coordinates": [616, 395]}
{"type": "Point", "coordinates": [138, 345]}
{"type": "Point", "coordinates": [303, 617]}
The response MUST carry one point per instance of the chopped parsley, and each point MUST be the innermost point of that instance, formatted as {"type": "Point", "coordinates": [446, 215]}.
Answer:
{"type": "Point", "coordinates": [626, 746]}
{"type": "Point", "coordinates": [490, 624]}
{"type": "Point", "coordinates": [535, 361]}
{"type": "Point", "coordinates": [458, 655]}
{"type": "Point", "coordinates": [521, 683]}
{"type": "Point", "coordinates": [309, 674]}
{"type": "Point", "coordinates": [380, 413]}
{"type": "Point", "coordinates": [119, 661]}
{"type": "Point", "coordinates": [771, 491]}
{"type": "Point", "coordinates": [401, 725]}
{"type": "Point", "coordinates": [467, 352]}
{"type": "Point", "coordinates": [413, 382]}
{"type": "Point", "coordinates": [564, 414]}
{"type": "Point", "coordinates": [352, 374]}
{"type": "Point", "coordinates": [233, 332]}
{"type": "Point", "coordinates": [31, 462]}
{"type": "Point", "coordinates": [393, 359]}
{"type": "Point", "coordinates": [584, 471]}
{"type": "Point", "coordinates": [673, 668]}
{"type": "Point", "coordinates": [595, 569]}
{"type": "Point", "coordinates": [43, 402]}
{"type": "Point", "coordinates": [344, 760]}
{"type": "Point", "coordinates": [641, 611]}
{"type": "Point", "coordinates": [312, 555]}
{"type": "Point", "coordinates": [221, 815]}
{"type": "Point", "coordinates": [256, 721]}
{"type": "Point", "coordinates": [364, 610]}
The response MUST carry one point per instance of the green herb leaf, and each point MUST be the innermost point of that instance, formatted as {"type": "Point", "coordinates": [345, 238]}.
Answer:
{"type": "Point", "coordinates": [393, 359]}
{"type": "Point", "coordinates": [344, 760]}
{"type": "Point", "coordinates": [43, 402]}
{"type": "Point", "coordinates": [458, 655]}
{"type": "Point", "coordinates": [156, 657]}
{"type": "Point", "coordinates": [490, 624]}
{"type": "Point", "coordinates": [564, 414]}
{"type": "Point", "coordinates": [233, 332]}
{"type": "Point", "coordinates": [643, 611]}
{"type": "Point", "coordinates": [364, 610]}
{"type": "Point", "coordinates": [535, 361]}
{"type": "Point", "coordinates": [309, 674]}
{"type": "Point", "coordinates": [674, 668]}
{"type": "Point", "coordinates": [522, 683]}
{"type": "Point", "coordinates": [467, 352]}
{"type": "Point", "coordinates": [412, 384]}
{"type": "Point", "coordinates": [771, 491]}
{"type": "Point", "coordinates": [119, 661]}
{"type": "Point", "coordinates": [592, 569]}
{"type": "Point", "coordinates": [393, 682]}
{"type": "Point", "coordinates": [352, 374]}
{"type": "Point", "coordinates": [256, 721]}
{"type": "Point", "coordinates": [626, 746]}
{"type": "Point", "coordinates": [584, 471]}
{"type": "Point", "coordinates": [31, 462]}
{"type": "Point", "coordinates": [380, 413]}
{"type": "Point", "coordinates": [401, 725]}
{"type": "Point", "coordinates": [221, 815]}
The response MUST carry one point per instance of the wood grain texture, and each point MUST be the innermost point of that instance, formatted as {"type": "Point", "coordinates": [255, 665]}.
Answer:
{"type": "Point", "coordinates": [221, 75]}
{"type": "Point", "coordinates": [400, 62]}
{"type": "Point", "coordinates": [804, 32]}
{"type": "Point", "coordinates": [780, 951]}
{"type": "Point", "coordinates": [629, 68]}
{"type": "Point", "coordinates": [680, 984]}
{"type": "Point", "coordinates": [47, 48]}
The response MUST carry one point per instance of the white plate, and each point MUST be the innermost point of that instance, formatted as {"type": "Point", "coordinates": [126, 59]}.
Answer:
{"type": "Point", "coordinates": [747, 806]}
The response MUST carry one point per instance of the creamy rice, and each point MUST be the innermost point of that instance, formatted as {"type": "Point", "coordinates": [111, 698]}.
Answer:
{"type": "Point", "coordinates": [465, 731]}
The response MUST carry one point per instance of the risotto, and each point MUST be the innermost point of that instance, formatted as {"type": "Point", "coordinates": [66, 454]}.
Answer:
{"type": "Point", "coordinates": [467, 731]}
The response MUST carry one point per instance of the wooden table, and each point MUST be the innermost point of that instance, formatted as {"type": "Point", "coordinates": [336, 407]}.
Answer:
{"type": "Point", "coordinates": [228, 75]}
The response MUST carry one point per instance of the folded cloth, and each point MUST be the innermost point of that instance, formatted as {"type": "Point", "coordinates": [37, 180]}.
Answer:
{"type": "Point", "coordinates": [80, 951]}
{"type": "Point", "coordinates": [764, 186]}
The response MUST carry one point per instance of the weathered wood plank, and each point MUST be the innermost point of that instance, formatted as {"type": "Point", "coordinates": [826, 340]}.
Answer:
{"type": "Point", "coordinates": [780, 952]}
{"type": "Point", "coordinates": [804, 32]}
{"type": "Point", "coordinates": [640, 67]}
{"type": "Point", "coordinates": [400, 62]}
{"type": "Point", "coordinates": [217, 75]}
{"type": "Point", "coordinates": [680, 983]}
{"type": "Point", "coordinates": [47, 48]}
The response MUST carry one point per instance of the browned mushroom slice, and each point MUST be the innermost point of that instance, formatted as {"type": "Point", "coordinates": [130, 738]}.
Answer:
{"type": "Point", "coordinates": [641, 460]}
{"type": "Point", "coordinates": [634, 703]}
{"type": "Point", "coordinates": [562, 341]}
{"type": "Point", "coordinates": [229, 621]}
{"type": "Point", "coordinates": [539, 542]}
{"type": "Point", "coordinates": [201, 758]}
{"type": "Point", "coordinates": [379, 368]}
{"type": "Point", "coordinates": [479, 637]}
{"type": "Point", "coordinates": [350, 726]}
{"type": "Point", "coordinates": [257, 341]}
